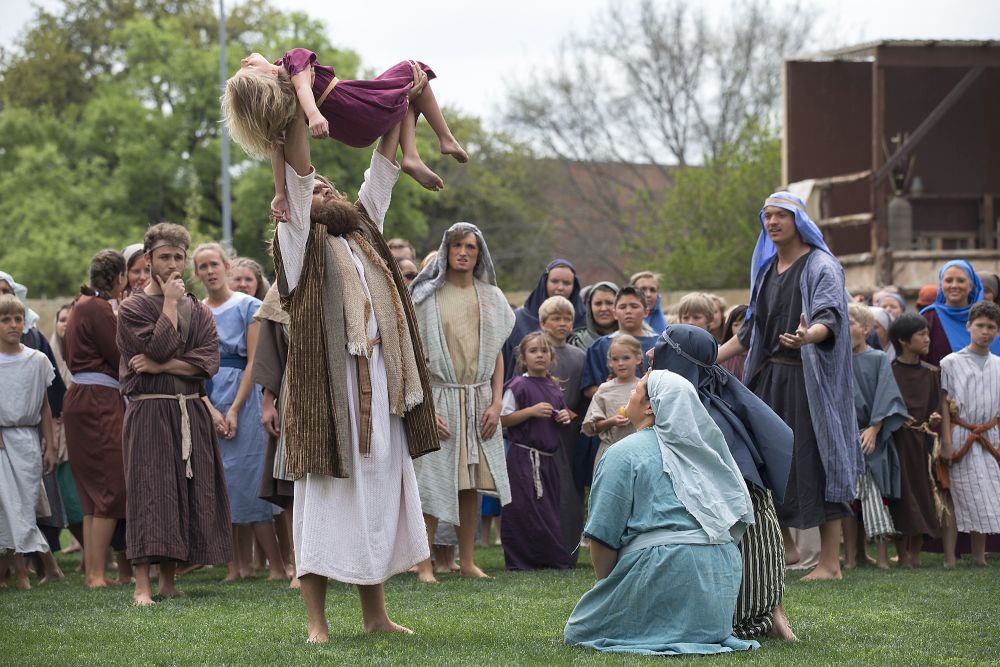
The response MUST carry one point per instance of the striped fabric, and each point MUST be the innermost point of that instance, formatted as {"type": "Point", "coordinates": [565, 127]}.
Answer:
{"type": "Point", "coordinates": [763, 585]}
{"type": "Point", "coordinates": [874, 512]}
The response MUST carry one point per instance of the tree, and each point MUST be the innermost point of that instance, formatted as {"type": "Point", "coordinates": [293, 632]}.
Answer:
{"type": "Point", "coordinates": [652, 83]}
{"type": "Point", "coordinates": [702, 235]}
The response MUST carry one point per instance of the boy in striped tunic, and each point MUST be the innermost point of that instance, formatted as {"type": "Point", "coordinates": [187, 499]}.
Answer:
{"type": "Point", "coordinates": [970, 379]}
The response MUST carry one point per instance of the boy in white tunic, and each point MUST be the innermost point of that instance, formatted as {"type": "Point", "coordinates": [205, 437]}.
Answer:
{"type": "Point", "coordinates": [970, 437]}
{"type": "Point", "coordinates": [24, 407]}
{"type": "Point", "coordinates": [357, 515]}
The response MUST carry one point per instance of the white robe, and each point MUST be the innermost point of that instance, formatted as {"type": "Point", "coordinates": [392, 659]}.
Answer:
{"type": "Point", "coordinates": [975, 480]}
{"type": "Point", "coordinates": [26, 376]}
{"type": "Point", "coordinates": [369, 526]}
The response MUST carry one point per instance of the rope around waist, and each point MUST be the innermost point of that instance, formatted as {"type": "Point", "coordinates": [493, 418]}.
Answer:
{"type": "Point", "coordinates": [469, 391]}
{"type": "Point", "coordinates": [186, 442]}
{"type": "Point", "coordinates": [536, 466]}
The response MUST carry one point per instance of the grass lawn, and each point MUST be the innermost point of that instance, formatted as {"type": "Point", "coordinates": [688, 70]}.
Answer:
{"type": "Point", "coordinates": [920, 617]}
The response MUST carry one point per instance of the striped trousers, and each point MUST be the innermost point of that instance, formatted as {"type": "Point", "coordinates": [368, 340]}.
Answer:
{"type": "Point", "coordinates": [874, 513]}
{"type": "Point", "coordinates": [763, 585]}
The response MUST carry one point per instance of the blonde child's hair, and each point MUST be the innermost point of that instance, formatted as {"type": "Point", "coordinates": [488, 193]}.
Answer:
{"type": "Point", "coordinates": [258, 108]}
{"type": "Point", "coordinates": [555, 305]}
{"type": "Point", "coordinates": [630, 343]}
{"type": "Point", "coordinates": [696, 303]}
{"type": "Point", "coordinates": [861, 314]}
{"type": "Point", "coordinates": [11, 305]}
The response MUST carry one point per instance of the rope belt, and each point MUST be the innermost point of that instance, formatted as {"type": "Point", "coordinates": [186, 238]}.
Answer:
{"type": "Point", "coordinates": [536, 466]}
{"type": "Point", "coordinates": [182, 400]}
{"type": "Point", "coordinates": [924, 427]}
{"type": "Point", "coordinates": [329, 89]}
{"type": "Point", "coordinates": [469, 391]}
{"type": "Point", "coordinates": [976, 434]}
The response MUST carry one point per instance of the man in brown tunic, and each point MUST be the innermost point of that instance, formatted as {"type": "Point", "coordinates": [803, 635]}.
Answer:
{"type": "Point", "coordinates": [178, 508]}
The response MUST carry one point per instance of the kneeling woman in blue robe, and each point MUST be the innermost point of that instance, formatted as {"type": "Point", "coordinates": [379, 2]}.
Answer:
{"type": "Point", "coordinates": [667, 506]}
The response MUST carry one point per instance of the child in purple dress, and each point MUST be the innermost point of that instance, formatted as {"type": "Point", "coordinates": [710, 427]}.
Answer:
{"type": "Point", "coordinates": [532, 411]}
{"type": "Point", "coordinates": [262, 98]}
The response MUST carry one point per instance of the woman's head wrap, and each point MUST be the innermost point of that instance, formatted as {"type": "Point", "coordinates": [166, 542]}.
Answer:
{"type": "Point", "coordinates": [706, 479]}
{"type": "Point", "coordinates": [430, 279]}
{"type": "Point", "coordinates": [953, 319]}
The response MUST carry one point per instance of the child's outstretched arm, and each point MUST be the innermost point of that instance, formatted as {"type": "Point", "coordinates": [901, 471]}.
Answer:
{"type": "Point", "coordinates": [279, 205]}
{"type": "Point", "coordinates": [318, 126]}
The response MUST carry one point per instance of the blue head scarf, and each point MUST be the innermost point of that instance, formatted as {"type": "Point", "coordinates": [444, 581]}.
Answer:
{"type": "Point", "coordinates": [953, 319]}
{"type": "Point", "coordinates": [656, 319]}
{"type": "Point", "coordinates": [706, 479]}
{"type": "Point", "coordinates": [765, 250]}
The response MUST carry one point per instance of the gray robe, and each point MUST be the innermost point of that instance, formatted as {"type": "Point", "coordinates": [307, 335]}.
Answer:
{"type": "Point", "coordinates": [877, 400]}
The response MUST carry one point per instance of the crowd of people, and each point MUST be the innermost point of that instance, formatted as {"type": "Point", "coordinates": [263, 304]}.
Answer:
{"type": "Point", "coordinates": [364, 416]}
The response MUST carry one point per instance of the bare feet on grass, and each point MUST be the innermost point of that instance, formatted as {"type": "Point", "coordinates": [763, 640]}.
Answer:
{"type": "Point", "coordinates": [425, 572]}
{"type": "Point", "coordinates": [22, 583]}
{"type": "Point", "coordinates": [169, 592]}
{"type": "Point", "coordinates": [451, 147]}
{"type": "Point", "coordinates": [52, 577]}
{"type": "Point", "coordinates": [792, 555]}
{"type": "Point", "coordinates": [387, 625]}
{"type": "Point", "coordinates": [823, 574]}
{"type": "Point", "coordinates": [473, 572]}
{"type": "Point", "coordinates": [296, 584]}
{"type": "Point", "coordinates": [319, 634]}
{"type": "Point", "coordinates": [421, 173]}
{"type": "Point", "coordinates": [782, 628]}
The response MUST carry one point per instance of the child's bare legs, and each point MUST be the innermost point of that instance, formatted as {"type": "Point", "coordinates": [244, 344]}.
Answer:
{"type": "Point", "coordinates": [468, 512]}
{"type": "Point", "coordinates": [882, 553]}
{"type": "Point", "coordinates": [425, 569]}
{"type": "Point", "coordinates": [21, 579]}
{"type": "Point", "coordinates": [791, 551]}
{"type": "Point", "coordinates": [233, 566]}
{"type": "Point", "coordinates": [850, 527]}
{"type": "Point", "coordinates": [411, 162]}
{"type": "Point", "coordinates": [166, 586]}
{"type": "Point", "coordinates": [314, 597]}
{"type": "Point", "coordinates": [373, 614]}
{"type": "Point", "coordinates": [949, 533]}
{"type": "Point", "coordinates": [125, 574]}
{"type": "Point", "coordinates": [829, 553]}
{"type": "Point", "coordinates": [444, 558]}
{"type": "Point", "coordinates": [244, 543]}
{"type": "Point", "coordinates": [427, 104]}
{"type": "Point", "coordinates": [978, 544]}
{"type": "Point", "coordinates": [283, 529]}
{"type": "Point", "coordinates": [50, 568]}
{"type": "Point", "coordinates": [484, 535]}
{"type": "Point", "coordinates": [97, 533]}
{"type": "Point", "coordinates": [268, 541]}
{"type": "Point", "coordinates": [497, 522]}
{"type": "Point", "coordinates": [143, 594]}
{"type": "Point", "coordinates": [914, 545]}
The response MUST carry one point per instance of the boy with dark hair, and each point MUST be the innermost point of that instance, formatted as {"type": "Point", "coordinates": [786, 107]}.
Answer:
{"type": "Point", "coordinates": [917, 510]}
{"type": "Point", "coordinates": [630, 313]}
{"type": "Point", "coordinates": [970, 379]}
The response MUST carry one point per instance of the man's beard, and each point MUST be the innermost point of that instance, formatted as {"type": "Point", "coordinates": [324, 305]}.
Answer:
{"type": "Point", "coordinates": [337, 215]}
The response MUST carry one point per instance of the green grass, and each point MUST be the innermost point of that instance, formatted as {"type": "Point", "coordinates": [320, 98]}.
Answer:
{"type": "Point", "coordinates": [920, 617]}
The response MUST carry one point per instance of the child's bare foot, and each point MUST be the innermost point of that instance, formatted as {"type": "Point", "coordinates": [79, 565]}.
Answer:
{"type": "Point", "coordinates": [421, 173]}
{"type": "Point", "coordinates": [169, 592]}
{"type": "Point", "coordinates": [142, 599]}
{"type": "Point", "coordinates": [822, 574]}
{"type": "Point", "coordinates": [277, 575]}
{"type": "Point", "coordinates": [52, 577]}
{"type": "Point", "coordinates": [792, 555]}
{"type": "Point", "coordinates": [319, 634]}
{"type": "Point", "coordinates": [451, 147]}
{"type": "Point", "coordinates": [473, 572]}
{"type": "Point", "coordinates": [425, 577]}
{"type": "Point", "coordinates": [22, 583]}
{"type": "Point", "coordinates": [96, 583]}
{"type": "Point", "coordinates": [782, 628]}
{"type": "Point", "coordinates": [387, 625]}
{"type": "Point", "coordinates": [442, 569]}
{"type": "Point", "coordinates": [454, 567]}
{"type": "Point", "coordinates": [296, 584]}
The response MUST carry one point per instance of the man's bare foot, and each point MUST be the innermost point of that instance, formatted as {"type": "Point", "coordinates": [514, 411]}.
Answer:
{"type": "Point", "coordinates": [278, 575]}
{"type": "Point", "coordinates": [453, 148]}
{"type": "Point", "coordinates": [319, 634]}
{"type": "Point", "coordinates": [782, 629]}
{"type": "Point", "coordinates": [421, 173]}
{"type": "Point", "coordinates": [142, 599]}
{"type": "Point", "coordinates": [425, 577]}
{"type": "Point", "coordinates": [96, 583]}
{"type": "Point", "coordinates": [474, 572]}
{"type": "Point", "coordinates": [822, 574]}
{"type": "Point", "coordinates": [792, 555]}
{"type": "Point", "coordinates": [387, 625]}
{"type": "Point", "coordinates": [296, 584]}
{"type": "Point", "coordinates": [23, 583]}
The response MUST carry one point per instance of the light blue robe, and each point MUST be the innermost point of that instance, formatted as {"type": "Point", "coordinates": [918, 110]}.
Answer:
{"type": "Point", "coordinates": [243, 455]}
{"type": "Point", "coordinates": [662, 600]}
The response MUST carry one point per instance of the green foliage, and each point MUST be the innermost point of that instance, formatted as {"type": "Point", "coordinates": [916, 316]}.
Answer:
{"type": "Point", "coordinates": [702, 234]}
{"type": "Point", "coordinates": [110, 122]}
{"type": "Point", "coordinates": [926, 616]}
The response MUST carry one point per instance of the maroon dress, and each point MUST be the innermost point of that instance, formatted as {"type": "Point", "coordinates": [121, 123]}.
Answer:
{"type": "Point", "coordinates": [532, 531]}
{"type": "Point", "coordinates": [359, 112]}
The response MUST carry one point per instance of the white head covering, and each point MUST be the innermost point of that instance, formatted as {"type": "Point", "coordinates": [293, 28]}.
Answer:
{"type": "Point", "coordinates": [129, 251]}
{"type": "Point", "coordinates": [706, 478]}
{"type": "Point", "coordinates": [432, 277]}
{"type": "Point", "coordinates": [21, 292]}
{"type": "Point", "coordinates": [882, 316]}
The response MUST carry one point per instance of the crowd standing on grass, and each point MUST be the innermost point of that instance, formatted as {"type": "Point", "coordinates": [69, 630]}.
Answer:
{"type": "Point", "coordinates": [341, 422]}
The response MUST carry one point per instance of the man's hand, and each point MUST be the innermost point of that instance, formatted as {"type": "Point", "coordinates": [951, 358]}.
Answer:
{"type": "Point", "coordinates": [173, 287]}
{"type": "Point", "coordinates": [270, 418]}
{"type": "Point", "coordinates": [442, 427]}
{"type": "Point", "coordinates": [318, 126]}
{"type": "Point", "coordinates": [279, 208]}
{"type": "Point", "coordinates": [419, 80]}
{"type": "Point", "coordinates": [490, 420]}
{"type": "Point", "coordinates": [798, 339]}
{"type": "Point", "coordinates": [140, 363]}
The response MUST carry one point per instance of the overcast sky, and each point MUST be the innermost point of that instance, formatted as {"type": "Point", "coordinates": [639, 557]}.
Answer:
{"type": "Point", "coordinates": [477, 47]}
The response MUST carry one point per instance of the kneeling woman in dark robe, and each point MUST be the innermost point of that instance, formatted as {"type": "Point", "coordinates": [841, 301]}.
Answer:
{"type": "Point", "coordinates": [667, 506]}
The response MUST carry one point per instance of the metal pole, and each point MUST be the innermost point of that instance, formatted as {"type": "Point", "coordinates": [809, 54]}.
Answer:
{"type": "Point", "coordinates": [227, 218]}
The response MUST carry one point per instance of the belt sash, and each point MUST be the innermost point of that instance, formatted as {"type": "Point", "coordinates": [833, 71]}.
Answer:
{"type": "Point", "coordinates": [469, 397]}
{"type": "Point", "coordinates": [186, 442]}
{"type": "Point", "coordinates": [662, 537]}
{"type": "Point", "coordinates": [536, 466]}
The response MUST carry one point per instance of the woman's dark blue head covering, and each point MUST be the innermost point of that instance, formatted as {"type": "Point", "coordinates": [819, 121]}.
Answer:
{"type": "Point", "coordinates": [541, 293]}
{"type": "Point", "coordinates": [760, 442]}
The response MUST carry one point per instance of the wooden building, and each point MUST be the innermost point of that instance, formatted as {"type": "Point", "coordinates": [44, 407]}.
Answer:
{"type": "Point", "coordinates": [896, 147]}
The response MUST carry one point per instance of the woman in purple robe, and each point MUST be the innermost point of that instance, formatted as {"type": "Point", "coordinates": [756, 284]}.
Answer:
{"type": "Point", "coordinates": [532, 411]}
